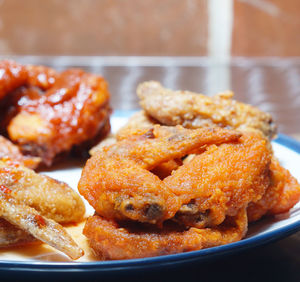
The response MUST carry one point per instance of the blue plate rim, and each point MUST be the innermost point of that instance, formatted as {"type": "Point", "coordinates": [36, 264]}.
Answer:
{"type": "Point", "coordinates": [247, 243]}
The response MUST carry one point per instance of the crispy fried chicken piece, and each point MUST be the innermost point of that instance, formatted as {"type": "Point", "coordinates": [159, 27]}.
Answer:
{"type": "Point", "coordinates": [111, 240]}
{"type": "Point", "coordinates": [117, 180]}
{"type": "Point", "coordinates": [221, 180]}
{"type": "Point", "coordinates": [10, 151]}
{"type": "Point", "coordinates": [192, 110]}
{"type": "Point", "coordinates": [24, 188]}
{"type": "Point", "coordinates": [40, 227]}
{"type": "Point", "coordinates": [281, 195]}
{"type": "Point", "coordinates": [53, 199]}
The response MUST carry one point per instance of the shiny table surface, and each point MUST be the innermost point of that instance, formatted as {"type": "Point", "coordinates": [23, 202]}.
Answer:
{"type": "Point", "coordinates": [271, 84]}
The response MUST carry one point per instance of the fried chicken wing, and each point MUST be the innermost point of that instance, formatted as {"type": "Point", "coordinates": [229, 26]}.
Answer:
{"type": "Point", "coordinates": [40, 227]}
{"type": "Point", "coordinates": [221, 180]}
{"type": "Point", "coordinates": [111, 240]}
{"type": "Point", "coordinates": [72, 111]}
{"type": "Point", "coordinates": [117, 180]}
{"type": "Point", "coordinates": [53, 199]}
{"type": "Point", "coordinates": [193, 110]}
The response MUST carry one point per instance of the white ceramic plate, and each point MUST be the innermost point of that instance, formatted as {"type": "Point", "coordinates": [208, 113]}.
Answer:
{"type": "Point", "coordinates": [44, 258]}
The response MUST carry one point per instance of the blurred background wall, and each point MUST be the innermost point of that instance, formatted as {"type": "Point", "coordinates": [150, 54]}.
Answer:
{"type": "Point", "coordinates": [150, 27]}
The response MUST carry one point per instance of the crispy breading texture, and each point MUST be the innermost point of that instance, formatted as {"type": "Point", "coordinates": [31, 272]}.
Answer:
{"type": "Point", "coordinates": [42, 228]}
{"type": "Point", "coordinates": [117, 180]}
{"type": "Point", "coordinates": [193, 110]}
{"type": "Point", "coordinates": [53, 199]}
{"type": "Point", "coordinates": [282, 194]}
{"type": "Point", "coordinates": [112, 241]}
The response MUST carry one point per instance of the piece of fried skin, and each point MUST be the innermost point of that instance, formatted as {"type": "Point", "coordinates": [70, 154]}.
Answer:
{"type": "Point", "coordinates": [193, 110]}
{"type": "Point", "coordinates": [112, 241]}
{"type": "Point", "coordinates": [10, 151]}
{"type": "Point", "coordinates": [290, 194]}
{"type": "Point", "coordinates": [11, 236]}
{"type": "Point", "coordinates": [221, 180]}
{"type": "Point", "coordinates": [117, 180]}
{"type": "Point", "coordinates": [53, 199]}
{"type": "Point", "coordinates": [71, 112]}
{"type": "Point", "coordinates": [280, 197]}
{"type": "Point", "coordinates": [42, 228]}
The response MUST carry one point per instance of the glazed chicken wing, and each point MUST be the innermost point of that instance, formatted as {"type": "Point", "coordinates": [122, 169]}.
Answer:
{"type": "Point", "coordinates": [47, 113]}
{"type": "Point", "coordinates": [71, 112]}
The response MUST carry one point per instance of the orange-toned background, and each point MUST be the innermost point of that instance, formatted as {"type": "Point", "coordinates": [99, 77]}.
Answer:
{"type": "Point", "coordinates": [144, 27]}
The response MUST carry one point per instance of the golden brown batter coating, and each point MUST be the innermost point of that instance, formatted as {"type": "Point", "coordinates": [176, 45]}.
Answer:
{"type": "Point", "coordinates": [111, 240]}
{"type": "Point", "coordinates": [282, 194]}
{"type": "Point", "coordinates": [221, 180]}
{"type": "Point", "coordinates": [53, 199]}
{"type": "Point", "coordinates": [117, 180]}
{"type": "Point", "coordinates": [40, 227]}
{"type": "Point", "coordinates": [26, 198]}
{"type": "Point", "coordinates": [192, 110]}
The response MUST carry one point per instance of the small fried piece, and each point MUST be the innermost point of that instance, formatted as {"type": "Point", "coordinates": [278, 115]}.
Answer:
{"type": "Point", "coordinates": [192, 110]}
{"type": "Point", "coordinates": [117, 180]}
{"type": "Point", "coordinates": [53, 199]}
{"type": "Point", "coordinates": [110, 240]}
{"type": "Point", "coordinates": [280, 197]}
{"type": "Point", "coordinates": [137, 124]}
{"type": "Point", "coordinates": [40, 227]}
{"type": "Point", "coordinates": [10, 151]}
